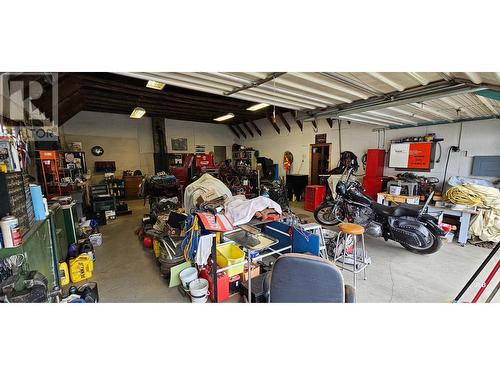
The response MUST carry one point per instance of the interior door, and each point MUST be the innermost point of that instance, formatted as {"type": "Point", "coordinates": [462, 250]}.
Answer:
{"type": "Point", "coordinates": [320, 161]}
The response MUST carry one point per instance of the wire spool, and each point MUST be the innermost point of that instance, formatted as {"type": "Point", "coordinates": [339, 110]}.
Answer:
{"type": "Point", "coordinates": [464, 196]}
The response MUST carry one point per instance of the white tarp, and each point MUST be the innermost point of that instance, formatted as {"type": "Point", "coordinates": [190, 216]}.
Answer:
{"type": "Point", "coordinates": [240, 210]}
{"type": "Point", "coordinates": [202, 185]}
{"type": "Point", "coordinates": [486, 225]}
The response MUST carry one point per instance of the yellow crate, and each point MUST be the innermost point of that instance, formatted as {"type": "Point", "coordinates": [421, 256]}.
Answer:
{"type": "Point", "coordinates": [229, 254]}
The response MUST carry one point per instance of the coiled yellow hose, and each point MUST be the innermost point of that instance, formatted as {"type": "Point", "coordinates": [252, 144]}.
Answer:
{"type": "Point", "coordinates": [463, 195]}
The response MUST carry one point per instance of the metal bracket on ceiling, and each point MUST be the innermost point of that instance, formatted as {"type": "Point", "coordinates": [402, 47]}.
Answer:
{"type": "Point", "coordinates": [255, 83]}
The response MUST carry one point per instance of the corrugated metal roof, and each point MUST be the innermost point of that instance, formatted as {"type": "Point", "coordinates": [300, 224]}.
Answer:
{"type": "Point", "coordinates": [313, 92]}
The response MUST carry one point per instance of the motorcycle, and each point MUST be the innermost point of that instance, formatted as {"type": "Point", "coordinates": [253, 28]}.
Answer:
{"type": "Point", "coordinates": [410, 225]}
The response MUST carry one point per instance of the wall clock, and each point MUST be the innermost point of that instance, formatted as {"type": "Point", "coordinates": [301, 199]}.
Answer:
{"type": "Point", "coordinates": [97, 151]}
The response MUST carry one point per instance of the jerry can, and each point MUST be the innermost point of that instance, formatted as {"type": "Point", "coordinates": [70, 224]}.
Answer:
{"type": "Point", "coordinates": [81, 267]}
{"type": "Point", "coordinates": [63, 273]}
{"type": "Point", "coordinates": [156, 248]}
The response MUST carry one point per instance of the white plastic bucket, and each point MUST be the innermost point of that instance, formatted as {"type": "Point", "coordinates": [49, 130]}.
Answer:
{"type": "Point", "coordinates": [395, 190]}
{"type": "Point", "coordinates": [187, 275]}
{"type": "Point", "coordinates": [198, 289]}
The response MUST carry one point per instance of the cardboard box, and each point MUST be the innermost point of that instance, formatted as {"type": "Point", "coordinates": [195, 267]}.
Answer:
{"type": "Point", "coordinates": [255, 271]}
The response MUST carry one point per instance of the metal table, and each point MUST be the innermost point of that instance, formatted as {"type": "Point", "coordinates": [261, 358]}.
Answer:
{"type": "Point", "coordinates": [463, 214]}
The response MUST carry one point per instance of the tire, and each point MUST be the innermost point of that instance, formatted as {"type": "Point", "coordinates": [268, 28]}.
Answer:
{"type": "Point", "coordinates": [432, 248]}
{"type": "Point", "coordinates": [325, 216]}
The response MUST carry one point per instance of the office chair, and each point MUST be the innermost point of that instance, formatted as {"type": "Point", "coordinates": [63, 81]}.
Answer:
{"type": "Point", "coordinates": [300, 278]}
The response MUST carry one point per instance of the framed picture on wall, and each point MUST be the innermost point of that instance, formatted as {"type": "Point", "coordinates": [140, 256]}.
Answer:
{"type": "Point", "coordinates": [179, 144]}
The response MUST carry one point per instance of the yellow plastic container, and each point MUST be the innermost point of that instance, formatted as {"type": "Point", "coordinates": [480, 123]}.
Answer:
{"type": "Point", "coordinates": [156, 248]}
{"type": "Point", "coordinates": [63, 273]}
{"type": "Point", "coordinates": [81, 268]}
{"type": "Point", "coordinates": [229, 254]}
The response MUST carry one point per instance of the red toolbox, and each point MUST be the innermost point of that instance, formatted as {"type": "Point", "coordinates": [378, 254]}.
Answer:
{"type": "Point", "coordinates": [222, 284]}
{"type": "Point", "coordinates": [314, 196]}
{"type": "Point", "coordinates": [372, 186]}
{"type": "Point", "coordinates": [375, 160]}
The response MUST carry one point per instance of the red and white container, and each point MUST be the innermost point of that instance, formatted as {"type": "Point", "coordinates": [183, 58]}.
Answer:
{"type": "Point", "coordinates": [11, 232]}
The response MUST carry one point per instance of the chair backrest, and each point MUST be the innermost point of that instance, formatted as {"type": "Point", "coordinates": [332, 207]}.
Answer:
{"type": "Point", "coordinates": [305, 278]}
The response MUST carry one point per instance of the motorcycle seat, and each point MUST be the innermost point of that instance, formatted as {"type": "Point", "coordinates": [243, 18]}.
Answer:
{"type": "Point", "coordinates": [400, 210]}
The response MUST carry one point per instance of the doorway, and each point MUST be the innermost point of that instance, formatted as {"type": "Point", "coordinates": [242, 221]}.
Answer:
{"type": "Point", "coordinates": [219, 154]}
{"type": "Point", "coordinates": [320, 161]}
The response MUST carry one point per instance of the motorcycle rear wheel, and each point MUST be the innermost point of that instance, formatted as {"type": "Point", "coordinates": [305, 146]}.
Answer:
{"type": "Point", "coordinates": [432, 248]}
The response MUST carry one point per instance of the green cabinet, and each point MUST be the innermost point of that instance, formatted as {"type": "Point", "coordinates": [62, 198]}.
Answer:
{"type": "Point", "coordinates": [58, 229]}
{"type": "Point", "coordinates": [70, 221]}
{"type": "Point", "coordinates": [38, 253]}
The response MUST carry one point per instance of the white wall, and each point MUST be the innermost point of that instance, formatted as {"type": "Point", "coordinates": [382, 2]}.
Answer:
{"type": "Point", "coordinates": [199, 133]}
{"type": "Point", "coordinates": [478, 138]}
{"type": "Point", "coordinates": [128, 142]}
{"type": "Point", "coordinates": [355, 137]}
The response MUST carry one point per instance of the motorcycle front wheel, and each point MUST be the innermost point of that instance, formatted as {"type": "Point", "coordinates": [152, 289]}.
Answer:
{"type": "Point", "coordinates": [433, 246]}
{"type": "Point", "coordinates": [329, 214]}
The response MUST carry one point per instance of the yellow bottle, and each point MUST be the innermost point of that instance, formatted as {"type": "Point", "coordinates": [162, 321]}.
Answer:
{"type": "Point", "coordinates": [63, 273]}
{"type": "Point", "coordinates": [156, 248]}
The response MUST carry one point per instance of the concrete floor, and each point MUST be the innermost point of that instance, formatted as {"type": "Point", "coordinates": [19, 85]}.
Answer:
{"type": "Point", "coordinates": [125, 272]}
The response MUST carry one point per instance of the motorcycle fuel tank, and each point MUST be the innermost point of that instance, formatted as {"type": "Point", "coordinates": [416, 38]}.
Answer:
{"type": "Point", "coordinates": [356, 195]}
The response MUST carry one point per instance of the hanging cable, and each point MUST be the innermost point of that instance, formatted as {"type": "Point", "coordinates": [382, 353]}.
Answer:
{"type": "Point", "coordinates": [452, 148]}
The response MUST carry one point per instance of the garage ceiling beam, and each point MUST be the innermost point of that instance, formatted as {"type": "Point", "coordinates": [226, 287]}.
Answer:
{"type": "Point", "coordinates": [248, 129]}
{"type": "Point", "coordinates": [240, 131]}
{"type": "Point", "coordinates": [299, 123]}
{"type": "Point", "coordinates": [284, 121]}
{"type": "Point", "coordinates": [432, 91]}
{"type": "Point", "coordinates": [444, 122]}
{"type": "Point", "coordinates": [254, 83]}
{"type": "Point", "coordinates": [165, 103]}
{"type": "Point", "coordinates": [234, 131]}
{"type": "Point", "coordinates": [256, 128]}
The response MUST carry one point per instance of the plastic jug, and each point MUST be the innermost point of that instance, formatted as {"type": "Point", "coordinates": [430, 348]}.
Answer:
{"type": "Point", "coordinates": [81, 268]}
{"type": "Point", "coordinates": [63, 273]}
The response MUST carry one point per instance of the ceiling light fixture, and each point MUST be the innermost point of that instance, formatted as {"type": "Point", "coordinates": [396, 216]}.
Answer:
{"type": "Point", "coordinates": [138, 112]}
{"type": "Point", "coordinates": [225, 117]}
{"type": "Point", "coordinates": [155, 85]}
{"type": "Point", "coordinates": [256, 107]}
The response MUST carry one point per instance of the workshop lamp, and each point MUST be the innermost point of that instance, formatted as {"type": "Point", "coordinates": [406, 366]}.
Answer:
{"type": "Point", "coordinates": [225, 117]}
{"type": "Point", "coordinates": [138, 112]}
{"type": "Point", "coordinates": [256, 107]}
{"type": "Point", "coordinates": [155, 85]}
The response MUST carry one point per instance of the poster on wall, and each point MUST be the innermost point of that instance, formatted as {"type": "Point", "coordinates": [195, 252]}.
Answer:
{"type": "Point", "coordinates": [320, 138]}
{"type": "Point", "coordinates": [199, 149]}
{"type": "Point", "coordinates": [411, 155]}
{"type": "Point", "coordinates": [179, 144]}
{"type": "Point", "coordinates": [399, 155]}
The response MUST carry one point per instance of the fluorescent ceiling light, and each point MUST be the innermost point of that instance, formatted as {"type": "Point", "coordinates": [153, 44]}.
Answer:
{"type": "Point", "coordinates": [225, 117]}
{"type": "Point", "coordinates": [256, 107]}
{"type": "Point", "coordinates": [138, 112]}
{"type": "Point", "coordinates": [155, 85]}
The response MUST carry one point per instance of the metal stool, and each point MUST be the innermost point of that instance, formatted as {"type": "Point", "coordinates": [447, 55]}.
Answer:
{"type": "Point", "coordinates": [358, 264]}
